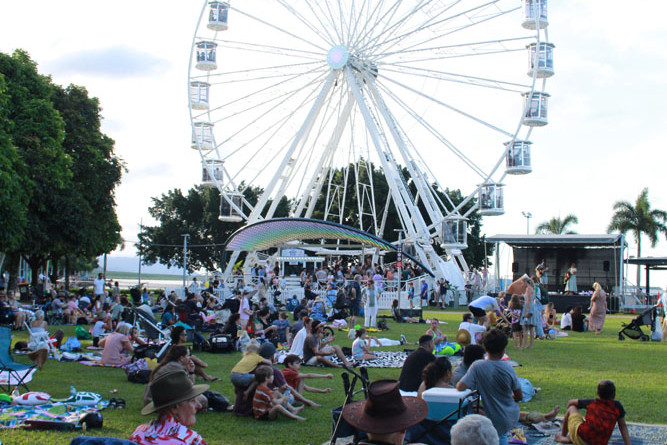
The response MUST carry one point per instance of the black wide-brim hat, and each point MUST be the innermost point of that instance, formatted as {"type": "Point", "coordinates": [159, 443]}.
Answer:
{"type": "Point", "coordinates": [385, 410]}
{"type": "Point", "coordinates": [170, 389]}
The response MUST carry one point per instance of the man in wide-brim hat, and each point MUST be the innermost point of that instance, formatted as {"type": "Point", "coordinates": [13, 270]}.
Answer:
{"type": "Point", "coordinates": [463, 337]}
{"type": "Point", "coordinates": [175, 400]}
{"type": "Point", "coordinates": [385, 415]}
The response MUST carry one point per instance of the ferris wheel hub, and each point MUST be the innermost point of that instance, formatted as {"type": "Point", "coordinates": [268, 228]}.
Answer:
{"type": "Point", "coordinates": [337, 57]}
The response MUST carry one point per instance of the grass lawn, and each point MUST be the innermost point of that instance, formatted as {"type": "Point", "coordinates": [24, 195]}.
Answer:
{"type": "Point", "coordinates": [564, 368]}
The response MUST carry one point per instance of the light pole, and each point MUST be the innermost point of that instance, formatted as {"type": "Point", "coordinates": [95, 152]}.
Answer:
{"type": "Point", "coordinates": [185, 256]}
{"type": "Point", "coordinates": [527, 215]}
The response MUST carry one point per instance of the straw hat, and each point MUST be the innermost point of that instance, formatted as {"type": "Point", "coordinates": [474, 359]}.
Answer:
{"type": "Point", "coordinates": [463, 337]}
{"type": "Point", "coordinates": [170, 389]}
{"type": "Point", "coordinates": [385, 411]}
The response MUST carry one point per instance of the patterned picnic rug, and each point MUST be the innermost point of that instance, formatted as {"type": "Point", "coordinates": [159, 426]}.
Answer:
{"type": "Point", "coordinates": [390, 359]}
{"type": "Point", "coordinates": [640, 434]}
{"type": "Point", "coordinates": [13, 416]}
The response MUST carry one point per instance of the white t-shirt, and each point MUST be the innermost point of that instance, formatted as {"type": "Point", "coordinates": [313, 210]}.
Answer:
{"type": "Point", "coordinates": [566, 320]}
{"type": "Point", "coordinates": [98, 329]}
{"type": "Point", "coordinates": [297, 342]}
{"type": "Point", "coordinates": [473, 328]}
{"type": "Point", "coordinates": [99, 286]}
{"type": "Point", "coordinates": [486, 303]}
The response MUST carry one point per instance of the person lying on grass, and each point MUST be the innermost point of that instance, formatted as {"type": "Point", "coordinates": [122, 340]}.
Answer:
{"type": "Point", "coordinates": [602, 414]}
{"type": "Point", "coordinates": [297, 380]}
{"type": "Point", "coordinates": [267, 404]}
{"type": "Point", "coordinates": [360, 346]}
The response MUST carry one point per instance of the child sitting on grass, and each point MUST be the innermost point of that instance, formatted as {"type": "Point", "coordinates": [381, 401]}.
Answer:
{"type": "Point", "coordinates": [602, 414]}
{"type": "Point", "coordinates": [241, 375]}
{"type": "Point", "coordinates": [267, 404]}
{"type": "Point", "coordinates": [296, 380]}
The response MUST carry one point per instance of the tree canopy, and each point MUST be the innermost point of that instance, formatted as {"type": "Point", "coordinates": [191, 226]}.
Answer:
{"type": "Point", "coordinates": [65, 166]}
{"type": "Point", "coordinates": [197, 215]}
{"type": "Point", "coordinates": [639, 219]}
{"type": "Point", "coordinates": [558, 226]}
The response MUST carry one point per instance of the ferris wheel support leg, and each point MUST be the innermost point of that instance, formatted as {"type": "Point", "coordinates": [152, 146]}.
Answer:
{"type": "Point", "coordinates": [301, 135]}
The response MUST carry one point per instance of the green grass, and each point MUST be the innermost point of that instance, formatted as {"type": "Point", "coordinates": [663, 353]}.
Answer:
{"type": "Point", "coordinates": [564, 368]}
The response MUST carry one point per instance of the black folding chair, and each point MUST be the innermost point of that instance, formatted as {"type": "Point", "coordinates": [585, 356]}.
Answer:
{"type": "Point", "coordinates": [15, 370]}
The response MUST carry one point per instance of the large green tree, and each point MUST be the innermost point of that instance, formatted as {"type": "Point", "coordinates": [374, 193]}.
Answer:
{"type": "Point", "coordinates": [92, 228]}
{"type": "Point", "coordinates": [639, 219]}
{"type": "Point", "coordinates": [65, 166]}
{"type": "Point", "coordinates": [38, 132]}
{"type": "Point", "coordinates": [558, 226]}
{"type": "Point", "coordinates": [14, 196]}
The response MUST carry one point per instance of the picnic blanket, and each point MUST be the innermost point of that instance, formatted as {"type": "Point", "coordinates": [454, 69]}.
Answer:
{"type": "Point", "coordinates": [389, 359]}
{"type": "Point", "coordinates": [640, 434]}
{"type": "Point", "coordinates": [13, 416]}
{"type": "Point", "coordinates": [94, 363]}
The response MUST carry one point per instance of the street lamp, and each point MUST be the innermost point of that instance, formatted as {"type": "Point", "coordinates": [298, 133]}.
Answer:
{"type": "Point", "coordinates": [527, 215]}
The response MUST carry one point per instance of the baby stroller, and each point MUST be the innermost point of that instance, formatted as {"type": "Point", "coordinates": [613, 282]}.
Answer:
{"type": "Point", "coordinates": [634, 330]}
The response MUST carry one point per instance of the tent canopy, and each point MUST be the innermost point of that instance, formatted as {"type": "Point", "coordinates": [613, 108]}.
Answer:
{"type": "Point", "coordinates": [276, 232]}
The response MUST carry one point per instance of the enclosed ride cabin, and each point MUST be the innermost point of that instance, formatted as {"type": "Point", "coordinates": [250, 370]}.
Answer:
{"type": "Point", "coordinates": [212, 171]}
{"type": "Point", "coordinates": [517, 160]}
{"type": "Point", "coordinates": [455, 233]}
{"type": "Point", "coordinates": [229, 213]}
{"type": "Point", "coordinates": [217, 16]}
{"type": "Point", "coordinates": [535, 14]}
{"type": "Point", "coordinates": [205, 53]}
{"type": "Point", "coordinates": [199, 95]}
{"type": "Point", "coordinates": [491, 199]}
{"type": "Point", "coordinates": [536, 109]}
{"type": "Point", "coordinates": [544, 58]}
{"type": "Point", "coordinates": [202, 136]}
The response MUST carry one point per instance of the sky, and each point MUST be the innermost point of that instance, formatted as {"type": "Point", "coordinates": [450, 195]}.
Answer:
{"type": "Point", "coordinates": [605, 140]}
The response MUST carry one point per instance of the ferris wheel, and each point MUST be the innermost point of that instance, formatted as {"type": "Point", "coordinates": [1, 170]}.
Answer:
{"type": "Point", "coordinates": [436, 93]}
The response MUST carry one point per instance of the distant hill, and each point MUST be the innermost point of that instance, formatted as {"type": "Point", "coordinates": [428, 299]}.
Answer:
{"type": "Point", "coordinates": [131, 264]}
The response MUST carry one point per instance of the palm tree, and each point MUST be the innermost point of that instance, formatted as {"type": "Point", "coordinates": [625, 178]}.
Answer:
{"type": "Point", "coordinates": [639, 219]}
{"type": "Point", "coordinates": [557, 226]}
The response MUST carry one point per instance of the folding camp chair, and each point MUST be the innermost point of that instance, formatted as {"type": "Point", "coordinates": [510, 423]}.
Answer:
{"type": "Point", "coordinates": [48, 340]}
{"type": "Point", "coordinates": [144, 320]}
{"type": "Point", "coordinates": [15, 370]}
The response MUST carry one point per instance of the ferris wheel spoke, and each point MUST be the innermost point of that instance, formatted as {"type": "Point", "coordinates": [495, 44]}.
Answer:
{"type": "Point", "coordinates": [372, 21]}
{"type": "Point", "coordinates": [286, 97]}
{"type": "Point", "coordinates": [460, 78]}
{"type": "Point", "coordinates": [329, 15]}
{"type": "Point", "coordinates": [269, 49]}
{"type": "Point", "coordinates": [305, 22]}
{"type": "Point", "coordinates": [429, 127]}
{"type": "Point", "coordinates": [270, 25]}
{"type": "Point", "coordinates": [451, 107]}
{"type": "Point", "coordinates": [318, 16]}
{"type": "Point", "coordinates": [472, 20]}
{"type": "Point", "coordinates": [270, 87]}
{"type": "Point", "coordinates": [467, 48]}
{"type": "Point", "coordinates": [390, 25]}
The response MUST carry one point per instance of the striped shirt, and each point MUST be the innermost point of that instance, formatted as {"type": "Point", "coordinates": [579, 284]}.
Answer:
{"type": "Point", "coordinates": [261, 403]}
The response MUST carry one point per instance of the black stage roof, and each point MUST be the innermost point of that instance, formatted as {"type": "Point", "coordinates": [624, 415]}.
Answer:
{"type": "Point", "coordinates": [557, 240]}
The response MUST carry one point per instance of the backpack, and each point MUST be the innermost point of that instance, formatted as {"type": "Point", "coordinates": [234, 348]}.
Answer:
{"type": "Point", "coordinates": [544, 294]}
{"type": "Point", "coordinates": [82, 334]}
{"type": "Point", "coordinates": [341, 300]}
{"type": "Point", "coordinates": [216, 401]}
{"type": "Point", "coordinates": [382, 325]}
{"type": "Point", "coordinates": [139, 376]}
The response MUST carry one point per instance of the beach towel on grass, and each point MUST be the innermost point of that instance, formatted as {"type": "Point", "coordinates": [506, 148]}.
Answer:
{"type": "Point", "coordinates": [93, 363]}
{"type": "Point", "coordinates": [13, 416]}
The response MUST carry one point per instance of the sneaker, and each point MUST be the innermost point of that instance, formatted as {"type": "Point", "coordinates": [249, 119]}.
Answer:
{"type": "Point", "coordinates": [404, 340]}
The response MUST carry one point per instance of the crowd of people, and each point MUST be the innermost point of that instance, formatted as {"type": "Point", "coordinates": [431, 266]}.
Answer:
{"type": "Point", "coordinates": [258, 318]}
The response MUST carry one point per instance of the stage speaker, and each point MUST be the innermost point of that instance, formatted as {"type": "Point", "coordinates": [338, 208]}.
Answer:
{"type": "Point", "coordinates": [515, 267]}
{"type": "Point", "coordinates": [605, 266]}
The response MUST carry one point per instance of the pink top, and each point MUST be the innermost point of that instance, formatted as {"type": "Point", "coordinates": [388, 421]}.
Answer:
{"type": "Point", "coordinates": [113, 346]}
{"type": "Point", "coordinates": [165, 431]}
{"type": "Point", "coordinates": [245, 305]}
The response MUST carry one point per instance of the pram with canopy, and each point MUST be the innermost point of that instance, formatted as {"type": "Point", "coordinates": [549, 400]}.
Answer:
{"type": "Point", "coordinates": [634, 331]}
